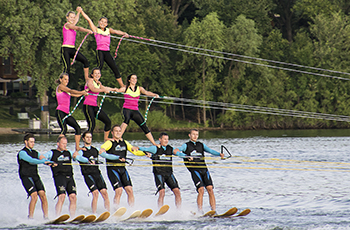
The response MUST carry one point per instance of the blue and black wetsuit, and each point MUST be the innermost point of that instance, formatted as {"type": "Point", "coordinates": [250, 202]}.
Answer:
{"type": "Point", "coordinates": [162, 166]}
{"type": "Point", "coordinates": [28, 159]}
{"type": "Point", "coordinates": [197, 167]}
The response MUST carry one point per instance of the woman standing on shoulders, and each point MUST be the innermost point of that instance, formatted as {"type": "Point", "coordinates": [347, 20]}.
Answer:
{"type": "Point", "coordinates": [63, 94]}
{"type": "Point", "coordinates": [90, 108]}
{"type": "Point", "coordinates": [131, 105]}
{"type": "Point", "coordinates": [103, 40]}
{"type": "Point", "coordinates": [68, 46]}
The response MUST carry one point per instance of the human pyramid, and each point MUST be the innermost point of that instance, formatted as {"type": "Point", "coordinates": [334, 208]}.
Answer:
{"type": "Point", "coordinates": [114, 149]}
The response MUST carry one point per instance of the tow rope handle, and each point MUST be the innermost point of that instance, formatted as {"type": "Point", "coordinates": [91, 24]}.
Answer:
{"type": "Point", "coordinates": [222, 151]}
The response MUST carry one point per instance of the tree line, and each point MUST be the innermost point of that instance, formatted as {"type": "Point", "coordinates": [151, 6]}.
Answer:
{"type": "Point", "coordinates": [303, 32]}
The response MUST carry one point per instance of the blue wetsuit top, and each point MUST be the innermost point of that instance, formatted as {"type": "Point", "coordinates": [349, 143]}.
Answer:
{"type": "Point", "coordinates": [23, 155]}
{"type": "Point", "coordinates": [206, 149]}
{"type": "Point", "coordinates": [153, 150]}
{"type": "Point", "coordinates": [79, 158]}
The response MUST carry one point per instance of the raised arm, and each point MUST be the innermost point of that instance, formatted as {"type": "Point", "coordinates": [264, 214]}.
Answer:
{"type": "Point", "coordinates": [76, 20]}
{"type": "Point", "coordinates": [91, 24]}
{"type": "Point", "coordinates": [148, 93]}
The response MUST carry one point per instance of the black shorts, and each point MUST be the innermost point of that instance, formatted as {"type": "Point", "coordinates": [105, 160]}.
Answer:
{"type": "Point", "coordinates": [136, 116]}
{"type": "Point", "coordinates": [201, 178]}
{"type": "Point", "coordinates": [32, 184]}
{"type": "Point", "coordinates": [64, 184]}
{"type": "Point", "coordinates": [119, 177]}
{"type": "Point", "coordinates": [161, 179]}
{"type": "Point", "coordinates": [95, 181]}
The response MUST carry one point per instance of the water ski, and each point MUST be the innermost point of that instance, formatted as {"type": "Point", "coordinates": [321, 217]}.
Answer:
{"type": "Point", "coordinates": [146, 213]}
{"type": "Point", "coordinates": [134, 215]}
{"type": "Point", "coordinates": [229, 212]}
{"type": "Point", "coordinates": [77, 219]}
{"type": "Point", "coordinates": [59, 220]}
{"type": "Point", "coordinates": [162, 210]}
{"type": "Point", "coordinates": [243, 213]}
{"type": "Point", "coordinates": [88, 219]}
{"type": "Point", "coordinates": [104, 216]}
{"type": "Point", "coordinates": [119, 212]}
{"type": "Point", "coordinates": [209, 214]}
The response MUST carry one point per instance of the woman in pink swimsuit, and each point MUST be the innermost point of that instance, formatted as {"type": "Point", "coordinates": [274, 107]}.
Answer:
{"type": "Point", "coordinates": [63, 94]}
{"type": "Point", "coordinates": [131, 111]}
{"type": "Point", "coordinates": [90, 107]}
{"type": "Point", "coordinates": [68, 46]}
{"type": "Point", "coordinates": [103, 41]}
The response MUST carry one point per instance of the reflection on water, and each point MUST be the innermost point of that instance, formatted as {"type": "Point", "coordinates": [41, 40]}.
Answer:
{"type": "Point", "coordinates": [290, 179]}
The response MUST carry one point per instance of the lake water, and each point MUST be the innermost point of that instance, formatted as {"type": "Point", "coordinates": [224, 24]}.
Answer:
{"type": "Point", "coordinates": [290, 179]}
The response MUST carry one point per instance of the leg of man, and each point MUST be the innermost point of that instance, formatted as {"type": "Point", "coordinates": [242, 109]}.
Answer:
{"type": "Point", "coordinates": [200, 198]}
{"type": "Point", "coordinates": [161, 197]}
{"type": "Point", "coordinates": [32, 203]}
{"type": "Point", "coordinates": [59, 204]}
{"type": "Point", "coordinates": [177, 194]}
{"type": "Point", "coordinates": [130, 193]}
{"type": "Point", "coordinates": [72, 204]}
{"type": "Point", "coordinates": [44, 204]}
{"type": "Point", "coordinates": [105, 198]}
{"type": "Point", "coordinates": [212, 201]}
{"type": "Point", "coordinates": [94, 201]}
{"type": "Point", "coordinates": [118, 194]}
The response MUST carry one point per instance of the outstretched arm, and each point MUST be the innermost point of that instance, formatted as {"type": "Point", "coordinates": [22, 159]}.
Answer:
{"type": "Point", "coordinates": [24, 156]}
{"type": "Point", "coordinates": [91, 87]}
{"type": "Point", "coordinates": [118, 32]}
{"type": "Point", "coordinates": [130, 148]}
{"type": "Point", "coordinates": [78, 155]}
{"type": "Point", "coordinates": [105, 147]}
{"type": "Point", "coordinates": [148, 93]}
{"type": "Point", "coordinates": [211, 151]}
{"type": "Point", "coordinates": [73, 92]}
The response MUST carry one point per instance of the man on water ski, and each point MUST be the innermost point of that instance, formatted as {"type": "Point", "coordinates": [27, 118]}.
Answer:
{"type": "Point", "coordinates": [28, 159]}
{"type": "Point", "coordinates": [163, 168]}
{"type": "Point", "coordinates": [195, 163]}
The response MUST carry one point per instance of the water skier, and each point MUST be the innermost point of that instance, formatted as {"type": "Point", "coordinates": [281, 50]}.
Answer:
{"type": "Point", "coordinates": [62, 173]}
{"type": "Point", "coordinates": [28, 159]}
{"type": "Point", "coordinates": [90, 107]}
{"type": "Point", "coordinates": [63, 94]}
{"type": "Point", "coordinates": [68, 46]}
{"type": "Point", "coordinates": [92, 174]}
{"type": "Point", "coordinates": [115, 151]}
{"type": "Point", "coordinates": [163, 168]}
{"type": "Point", "coordinates": [131, 105]}
{"type": "Point", "coordinates": [103, 40]}
{"type": "Point", "coordinates": [195, 163]}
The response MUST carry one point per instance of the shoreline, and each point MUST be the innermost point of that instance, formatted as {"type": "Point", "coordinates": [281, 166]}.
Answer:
{"type": "Point", "coordinates": [4, 131]}
{"type": "Point", "coordinates": [7, 131]}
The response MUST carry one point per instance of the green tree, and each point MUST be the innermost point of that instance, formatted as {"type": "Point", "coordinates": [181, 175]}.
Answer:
{"type": "Point", "coordinates": [33, 37]}
{"type": "Point", "coordinates": [241, 38]}
{"type": "Point", "coordinates": [207, 34]}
